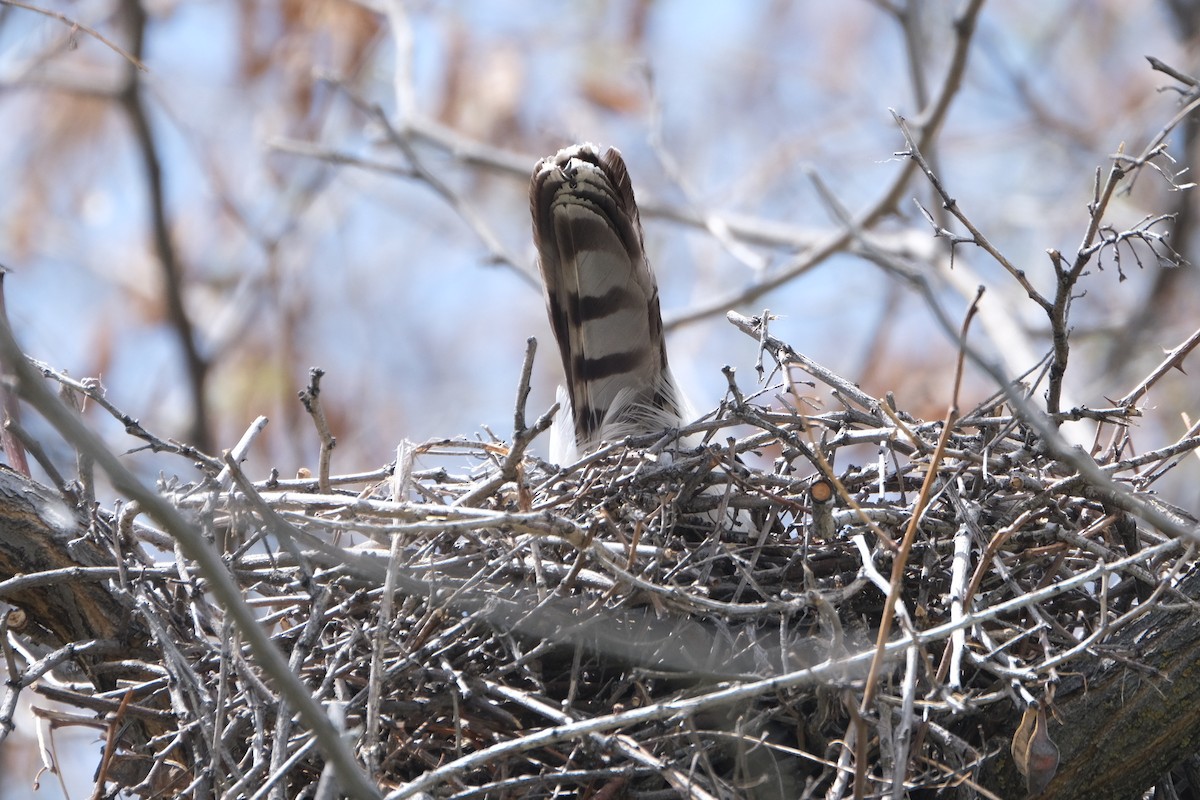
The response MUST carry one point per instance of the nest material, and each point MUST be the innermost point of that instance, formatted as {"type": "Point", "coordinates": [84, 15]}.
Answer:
{"type": "Point", "coordinates": [653, 621]}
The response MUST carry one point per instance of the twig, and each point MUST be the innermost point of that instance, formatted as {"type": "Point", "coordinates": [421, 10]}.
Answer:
{"type": "Point", "coordinates": [1174, 360]}
{"type": "Point", "coordinates": [80, 26]}
{"type": "Point", "coordinates": [510, 468]}
{"type": "Point", "coordinates": [93, 389]}
{"type": "Point", "coordinates": [786, 355]}
{"type": "Point", "coordinates": [238, 453]}
{"type": "Point", "coordinates": [1161, 66]}
{"type": "Point", "coordinates": [950, 204]}
{"type": "Point", "coordinates": [115, 723]}
{"type": "Point", "coordinates": [310, 396]}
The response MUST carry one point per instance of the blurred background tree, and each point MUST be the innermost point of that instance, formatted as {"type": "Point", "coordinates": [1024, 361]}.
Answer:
{"type": "Point", "coordinates": [204, 200]}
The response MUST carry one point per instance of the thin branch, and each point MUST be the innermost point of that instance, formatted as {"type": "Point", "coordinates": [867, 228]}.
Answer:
{"type": "Point", "coordinates": [94, 390]}
{"type": "Point", "coordinates": [310, 396]}
{"type": "Point", "coordinates": [1174, 360]}
{"type": "Point", "coordinates": [950, 204]}
{"type": "Point", "coordinates": [116, 48]}
{"type": "Point", "coordinates": [510, 468]}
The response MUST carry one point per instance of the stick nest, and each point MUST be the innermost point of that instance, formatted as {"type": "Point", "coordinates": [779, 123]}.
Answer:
{"type": "Point", "coordinates": [660, 619]}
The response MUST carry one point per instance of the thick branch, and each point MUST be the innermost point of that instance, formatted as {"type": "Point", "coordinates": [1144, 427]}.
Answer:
{"type": "Point", "coordinates": [39, 533]}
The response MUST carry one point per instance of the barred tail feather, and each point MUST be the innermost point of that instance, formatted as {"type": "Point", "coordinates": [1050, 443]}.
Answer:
{"type": "Point", "coordinates": [601, 296]}
{"type": "Point", "coordinates": [603, 304]}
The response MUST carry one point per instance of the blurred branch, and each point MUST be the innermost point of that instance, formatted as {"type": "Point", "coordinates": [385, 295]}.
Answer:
{"type": "Point", "coordinates": [398, 136]}
{"type": "Point", "coordinates": [470, 153]}
{"type": "Point", "coordinates": [917, 22]}
{"type": "Point", "coordinates": [928, 122]}
{"type": "Point", "coordinates": [134, 60]}
{"type": "Point", "coordinates": [711, 222]}
{"type": "Point", "coordinates": [132, 101]}
{"type": "Point", "coordinates": [337, 158]}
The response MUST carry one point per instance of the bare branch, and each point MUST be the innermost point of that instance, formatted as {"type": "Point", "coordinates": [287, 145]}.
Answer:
{"type": "Point", "coordinates": [116, 48]}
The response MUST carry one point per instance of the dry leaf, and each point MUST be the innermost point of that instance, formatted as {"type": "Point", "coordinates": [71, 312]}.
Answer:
{"type": "Point", "coordinates": [1033, 751]}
